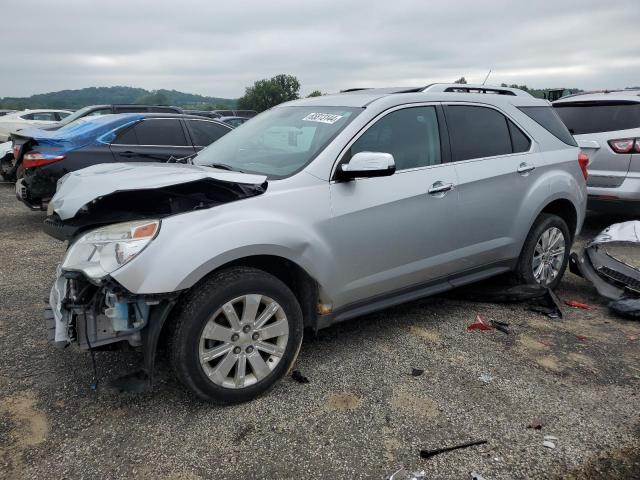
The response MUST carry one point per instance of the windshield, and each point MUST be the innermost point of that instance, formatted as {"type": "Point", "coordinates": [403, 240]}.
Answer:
{"type": "Point", "coordinates": [278, 142]}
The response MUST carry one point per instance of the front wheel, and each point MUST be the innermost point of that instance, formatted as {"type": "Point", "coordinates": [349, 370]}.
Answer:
{"type": "Point", "coordinates": [236, 334]}
{"type": "Point", "coordinates": [545, 253]}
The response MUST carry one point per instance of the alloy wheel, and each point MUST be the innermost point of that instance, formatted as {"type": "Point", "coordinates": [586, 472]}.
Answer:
{"type": "Point", "coordinates": [243, 341]}
{"type": "Point", "coordinates": [548, 256]}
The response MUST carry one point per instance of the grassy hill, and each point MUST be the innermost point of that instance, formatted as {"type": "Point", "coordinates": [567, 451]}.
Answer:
{"type": "Point", "coordinates": [74, 99]}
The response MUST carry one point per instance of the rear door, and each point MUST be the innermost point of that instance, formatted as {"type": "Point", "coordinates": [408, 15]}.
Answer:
{"type": "Point", "coordinates": [204, 132]}
{"type": "Point", "coordinates": [594, 124]}
{"type": "Point", "coordinates": [495, 168]}
{"type": "Point", "coordinates": [152, 140]}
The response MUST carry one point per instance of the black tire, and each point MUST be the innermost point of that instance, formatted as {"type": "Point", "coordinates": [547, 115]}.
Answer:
{"type": "Point", "coordinates": [196, 310]}
{"type": "Point", "coordinates": [524, 269]}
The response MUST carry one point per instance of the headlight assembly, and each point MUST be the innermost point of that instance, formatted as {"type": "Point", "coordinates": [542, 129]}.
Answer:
{"type": "Point", "coordinates": [104, 250]}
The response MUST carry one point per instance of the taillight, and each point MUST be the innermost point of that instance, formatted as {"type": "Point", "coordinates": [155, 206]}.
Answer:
{"type": "Point", "coordinates": [624, 145]}
{"type": "Point", "coordinates": [583, 160]}
{"type": "Point", "coordinates": [37, 159]}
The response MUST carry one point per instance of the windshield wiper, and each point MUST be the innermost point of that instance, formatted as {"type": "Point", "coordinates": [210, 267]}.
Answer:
{"type": "Point", "coordinates": [223, 166]}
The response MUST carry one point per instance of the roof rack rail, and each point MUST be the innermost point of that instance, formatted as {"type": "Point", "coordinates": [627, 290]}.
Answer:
{"type": "Point", "coordinates": [467, 88]}
{"type": "Point", "coordinates": [386, 90]}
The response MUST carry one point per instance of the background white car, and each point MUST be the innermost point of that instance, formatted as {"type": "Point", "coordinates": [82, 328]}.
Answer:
{"type": "Point", "coordinates": [29, 118]}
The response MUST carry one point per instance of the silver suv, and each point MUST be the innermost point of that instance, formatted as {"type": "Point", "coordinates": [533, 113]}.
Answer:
{"type": "Point", "coordinates": [607, 128]}
{"type": "Point", "coordinates": [314, 212]}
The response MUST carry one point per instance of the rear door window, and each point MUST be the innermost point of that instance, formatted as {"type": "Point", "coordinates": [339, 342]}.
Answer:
{"type": "Point", "coordinates": [126, 137]}
{"type": "Point", "coordinates": [204, 133]}
{"type": "Point", "coordinates": [477, 132]}
{"type": "Point", "coordinates": [411, 135]}
{"type": "Point", "coordinates": [548, 119]}
{"type": "Point", "coordinates": [597, 117]}
{"type": "Point", "coordinates": [161, 131]}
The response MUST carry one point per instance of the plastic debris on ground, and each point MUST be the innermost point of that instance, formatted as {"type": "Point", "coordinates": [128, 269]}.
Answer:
{"type": "Point", "coordinates": [416, 372]}
{"type": "Point", "coordinates": [613, 278]}
{"type": "Point", "coordinates": [502, 326]}
{"type": "Point", "coordinates": [476, 476]}
{"type": "Point", "coordinates": [576, 304]}
{"type": "Point", "coordinates": [402, 474]}
{"type": "Point", "coordinates": [485, 378]}
{"type": "Point", "coordinates": [626, 307]}
{"type": "Point", "coordinates": [548, 444]}
{"type": "Point", "coordinates": [437, 451]}
{"type": "Point", "coordinates": [298, 377]}
{"type": "Point", "coordinates": [480, 324]}
{"type": "Point", "coordinates": [548, 305]}
{"type": "Point", "coordinates": [536, 424]}
{"type": "Point", "coordinates": [582, 337]}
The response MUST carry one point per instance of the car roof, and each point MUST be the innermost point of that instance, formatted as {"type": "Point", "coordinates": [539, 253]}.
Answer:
{"type": "Point", "coordinates": [41, 110]}
{"type": "Point", "coordinates": [599, 96]}
{"type": "Point", "coordinates": [430, 93]}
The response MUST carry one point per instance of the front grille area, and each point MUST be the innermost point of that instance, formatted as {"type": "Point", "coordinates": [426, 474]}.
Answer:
{"type": "Point", "coordinates": [620, 278]}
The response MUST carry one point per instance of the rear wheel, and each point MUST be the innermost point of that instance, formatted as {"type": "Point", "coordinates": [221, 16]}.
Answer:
{"type": "Point", "coordinates": [236, 334]}
{"type": "Point", "coordinates": [545, 253]}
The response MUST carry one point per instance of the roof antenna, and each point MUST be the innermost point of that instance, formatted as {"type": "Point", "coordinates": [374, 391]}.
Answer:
{"type": "Point", "coordinates": [485, 78]}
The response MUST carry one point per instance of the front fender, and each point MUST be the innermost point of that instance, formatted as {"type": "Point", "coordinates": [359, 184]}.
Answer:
{"type": "Point", "coordinates": [190, 246]}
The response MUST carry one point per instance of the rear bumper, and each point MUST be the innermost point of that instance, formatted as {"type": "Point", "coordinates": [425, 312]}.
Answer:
{"type": "Point", "coordinates": [624, 199]}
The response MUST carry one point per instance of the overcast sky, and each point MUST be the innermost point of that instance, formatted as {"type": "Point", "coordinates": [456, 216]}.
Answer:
{"type": "Point", "coordinates": [219, 47]}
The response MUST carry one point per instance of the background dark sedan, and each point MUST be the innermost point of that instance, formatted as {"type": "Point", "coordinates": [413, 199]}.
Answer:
{"type": "Point", "coordinates": [45, 156]}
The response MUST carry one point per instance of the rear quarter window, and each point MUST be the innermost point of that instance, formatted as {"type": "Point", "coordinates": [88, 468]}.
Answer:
{"type": "Point", "coordinates": [548, 119]}
{"type": "Point", "coordinates": [596, 117]}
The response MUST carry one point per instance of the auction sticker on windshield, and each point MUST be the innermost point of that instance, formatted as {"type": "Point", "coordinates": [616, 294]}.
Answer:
{"type": "Point", "coordinates": [329, 118]}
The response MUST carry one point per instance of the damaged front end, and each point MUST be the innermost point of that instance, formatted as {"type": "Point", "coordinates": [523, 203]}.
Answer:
{"type": "Point", "coordinates": [94, 315]}
{"type": "Point", "coordinates": [110, 193]}
{"type": "Point", "coordinates": [612, 276]}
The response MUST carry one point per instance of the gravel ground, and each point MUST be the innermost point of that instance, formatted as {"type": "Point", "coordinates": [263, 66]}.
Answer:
{"type": "Point", "coordinates": [361, 416]}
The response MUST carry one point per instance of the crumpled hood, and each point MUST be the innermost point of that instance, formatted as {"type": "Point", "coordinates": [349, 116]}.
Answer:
{"type": "Point", "coordinates": [77, 189]}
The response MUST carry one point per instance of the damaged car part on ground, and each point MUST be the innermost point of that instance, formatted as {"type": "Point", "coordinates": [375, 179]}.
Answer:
{"type": "Point", "coordinates": [324, 209]}
{"type": "Point", "coordinates": [613, 278]}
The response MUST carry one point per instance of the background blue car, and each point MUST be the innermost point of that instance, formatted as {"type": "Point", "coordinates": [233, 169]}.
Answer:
{"type": "Point", "coordinates": [42, 157]}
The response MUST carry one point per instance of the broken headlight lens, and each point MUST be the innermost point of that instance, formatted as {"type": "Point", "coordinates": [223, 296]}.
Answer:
{"type": "Point", "coordinates": [104, 250]}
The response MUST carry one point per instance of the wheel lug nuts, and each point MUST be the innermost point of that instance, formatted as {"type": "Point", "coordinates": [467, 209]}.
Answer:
{"type": "Point", "coordinates": [235, 337]}
{"type": "Point", "coordinates": [255, 336]}
{"type": "Point", "coordinates": [237, 350]}
{"type": "Point", "coordinates": [246, 329]}
{"type": "Point", "coordinates": [249, 349]}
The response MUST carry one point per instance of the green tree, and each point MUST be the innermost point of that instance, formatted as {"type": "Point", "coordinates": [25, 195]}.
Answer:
{"type": "Point", "coordinates": [267, 93]}
{"type": "Point", "coordinates": [154, 98]}
{"type": "Point", "coordinates": [315, 93]}
{"type": "Point", "coordinates": [461, 80]}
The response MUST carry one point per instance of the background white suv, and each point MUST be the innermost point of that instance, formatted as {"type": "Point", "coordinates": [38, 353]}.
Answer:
{"type": "Point", "coordinates": [607, 128]}
{"type": "Point", "coordinates": [29, 118]}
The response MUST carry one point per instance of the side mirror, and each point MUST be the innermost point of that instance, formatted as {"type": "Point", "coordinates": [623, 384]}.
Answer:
{"type": "Point", "coordinates": [367, 164]}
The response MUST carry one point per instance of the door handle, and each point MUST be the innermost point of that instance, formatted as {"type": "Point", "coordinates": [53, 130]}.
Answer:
{"type": "Point", "coordinates": [440, 187]}
{"type": "Point", "coordinates": [526, 168]}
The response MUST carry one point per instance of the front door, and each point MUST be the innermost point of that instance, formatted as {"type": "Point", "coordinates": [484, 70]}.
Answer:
{"type": "Point", "coordinates": [390, 233]}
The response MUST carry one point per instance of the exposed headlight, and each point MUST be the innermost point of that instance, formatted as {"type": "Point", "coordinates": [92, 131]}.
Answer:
{"type": "Point", "coordinates": [104, 250]}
